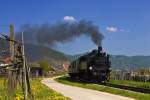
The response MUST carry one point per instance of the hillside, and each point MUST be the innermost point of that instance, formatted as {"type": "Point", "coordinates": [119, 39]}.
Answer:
{"type": "Point", "coordinates": [39, 52]}
{"type": "Point", "coordinates": [125, 62]}
{"type": "Point", "coordinates": [36, 53]}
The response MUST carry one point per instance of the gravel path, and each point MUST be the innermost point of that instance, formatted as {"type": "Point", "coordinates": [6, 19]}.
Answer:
{"type": "Point", "coordinates": [77, 93]}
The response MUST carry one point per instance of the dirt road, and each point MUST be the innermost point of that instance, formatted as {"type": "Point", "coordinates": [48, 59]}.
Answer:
{"type": "Point", "coordinates": [77, 93]}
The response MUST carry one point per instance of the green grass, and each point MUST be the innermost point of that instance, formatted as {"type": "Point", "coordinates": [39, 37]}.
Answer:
{"type": "Point", "coordinates": [138, 96]}
{"type": "Point", "coordinates": [131, 83]}
{"type": "Point", "coordinates": [39, 90]}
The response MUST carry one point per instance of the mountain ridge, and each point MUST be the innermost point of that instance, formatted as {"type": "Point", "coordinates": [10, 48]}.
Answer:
{"type": "Point", "coordinates": [36, 53]}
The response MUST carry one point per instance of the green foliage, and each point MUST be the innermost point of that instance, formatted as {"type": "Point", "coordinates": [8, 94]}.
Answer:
{"type": "Point", "coordinates": [39, 90]}
{"type": "Point", "coordinates": [44, 64]}
{"type": "Point", "coordinates": [138, 96]}
{"type": "Point", "coordinates": [131, 83]}
{"type": "Point", "coordinates": [42, 92]}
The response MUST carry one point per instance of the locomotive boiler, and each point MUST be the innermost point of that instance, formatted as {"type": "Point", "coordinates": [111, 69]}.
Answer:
{"type": "Point", "coordinates": [91, 66]}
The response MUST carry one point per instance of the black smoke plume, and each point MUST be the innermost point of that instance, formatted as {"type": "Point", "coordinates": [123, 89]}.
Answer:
{"type": "Point", "coordinates": [50, 34]}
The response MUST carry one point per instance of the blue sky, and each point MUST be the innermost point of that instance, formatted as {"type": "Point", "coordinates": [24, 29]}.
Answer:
{"type": "Point", "coordinates": [124, 23]}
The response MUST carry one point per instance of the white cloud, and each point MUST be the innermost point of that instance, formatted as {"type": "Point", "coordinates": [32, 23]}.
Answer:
{"type": "Point", "coordinates": [111, 29]}
{"type": "Point", "coordinates": [115, 29]}
{"type": "Point", "coordinates": [69, 18]}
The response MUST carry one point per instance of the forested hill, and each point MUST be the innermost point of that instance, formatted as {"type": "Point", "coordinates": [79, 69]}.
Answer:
{"type": "Point", "coordinates": [37, 52]}
{"type": "Point", "coordinates": [125, 62]}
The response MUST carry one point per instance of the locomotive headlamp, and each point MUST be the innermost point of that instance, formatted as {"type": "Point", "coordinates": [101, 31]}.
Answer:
{"type": "Point", "coordinates": [90, 68]}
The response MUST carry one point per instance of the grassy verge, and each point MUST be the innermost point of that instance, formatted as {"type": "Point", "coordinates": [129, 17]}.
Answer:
{"type": "Point", "coordinates": [131, 83]}
{"type": "Point", "coordinates": [39, 90]}
{"type": "Point", "coordinates": [138, 96]}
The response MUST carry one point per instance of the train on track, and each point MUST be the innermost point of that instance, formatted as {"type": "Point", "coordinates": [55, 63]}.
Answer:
{"type": "Point", "coordinates": [93, 66]}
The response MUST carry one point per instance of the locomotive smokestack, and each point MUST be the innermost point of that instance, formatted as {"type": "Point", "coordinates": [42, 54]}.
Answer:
{"type": "Point", "coordinates": [99, 48]}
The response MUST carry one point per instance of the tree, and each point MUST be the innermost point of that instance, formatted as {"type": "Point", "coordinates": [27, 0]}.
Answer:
{"type": "Point", "coordinates": [45, 65]}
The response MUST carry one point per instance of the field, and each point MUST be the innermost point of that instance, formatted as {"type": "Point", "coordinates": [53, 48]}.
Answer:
{"type": "Point", "coordinates": [40, 92]}
{"type": "Point", "coordinates": [131, 83]}
{"type": "Point", "coordinates": [138, 96]}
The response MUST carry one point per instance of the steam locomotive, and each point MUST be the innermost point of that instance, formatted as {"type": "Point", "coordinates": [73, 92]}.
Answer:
{"type": "Point", "coordinates": [94, 66]}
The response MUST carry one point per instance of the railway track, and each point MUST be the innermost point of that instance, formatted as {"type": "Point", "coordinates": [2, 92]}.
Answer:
{"type": "Point", "coordinates": [135, 89]}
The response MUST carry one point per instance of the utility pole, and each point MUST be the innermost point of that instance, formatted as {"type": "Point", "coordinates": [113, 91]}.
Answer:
{"type": "Point", "coordinates": [11, 43]}
{"type": "Point", "coordinates": [11, 73]}
{"type": "Point", "coordinates": [24, 70]}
